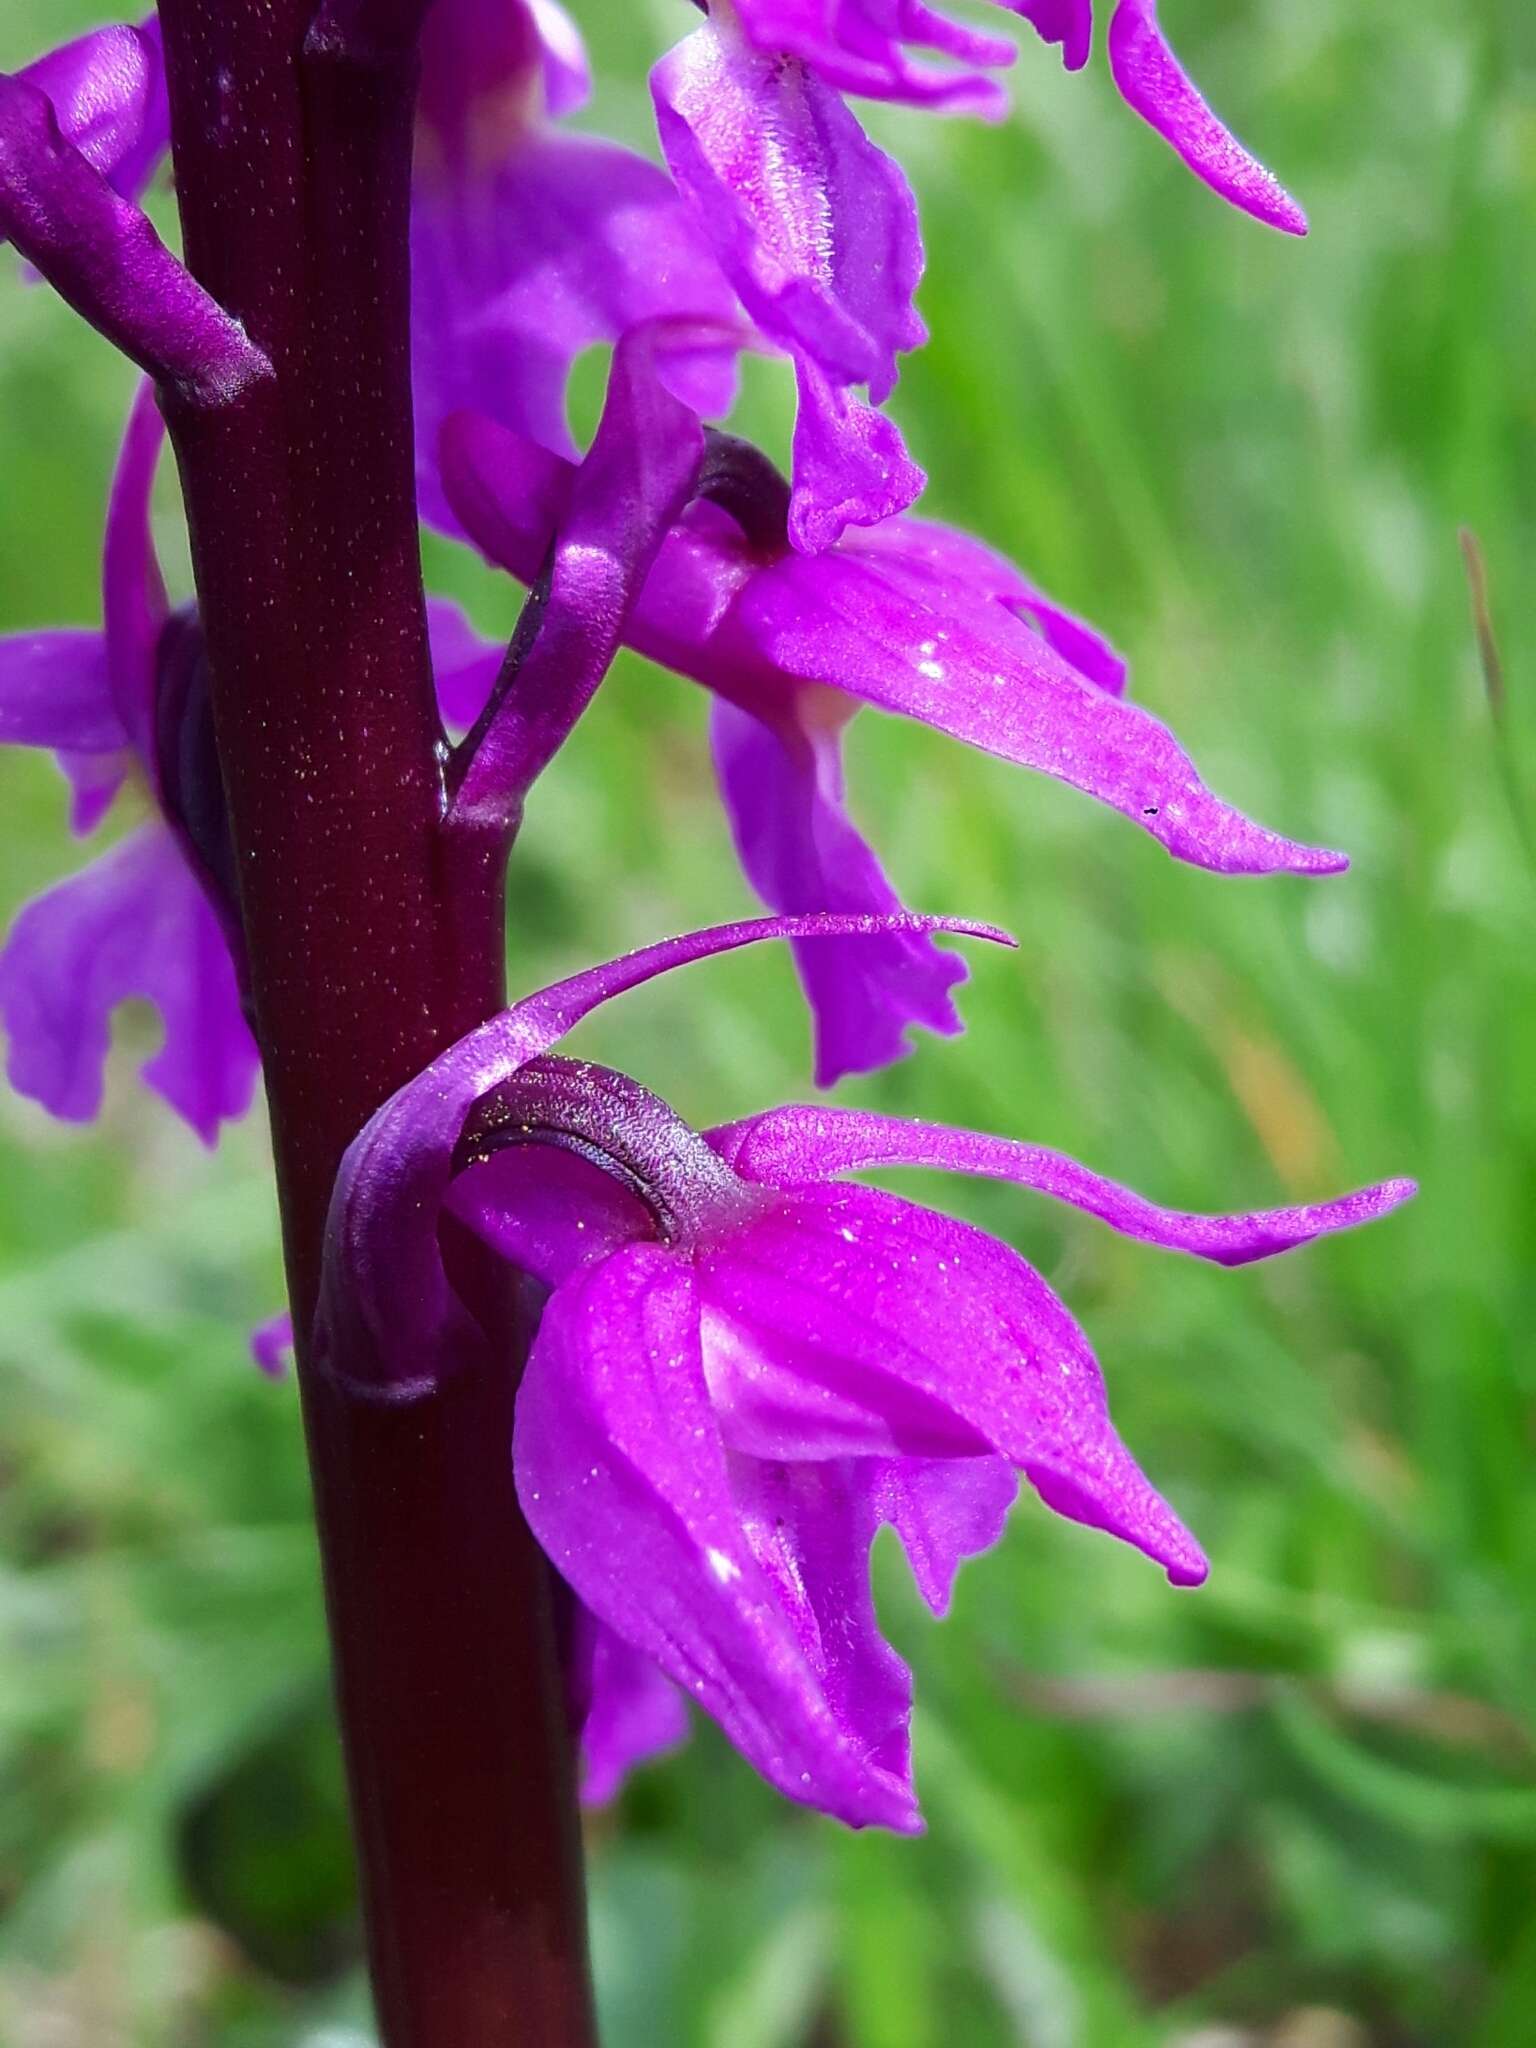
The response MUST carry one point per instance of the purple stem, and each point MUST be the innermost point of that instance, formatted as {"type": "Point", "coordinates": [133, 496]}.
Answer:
{"type": "Point", "coordinates": [375, 939]}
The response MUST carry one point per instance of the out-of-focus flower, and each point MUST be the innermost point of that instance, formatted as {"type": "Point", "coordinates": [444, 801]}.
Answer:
{"type": "Point", "coordinates": [155, 916]}
{"type": "Point", "coordinates": [744, 1367]}
{"type": "Point", "coordinates": [272, 1345]}
{"type": "Point", "coordinates": [530, 244]}
{"type": "Point", "coordinates": [152, 917]}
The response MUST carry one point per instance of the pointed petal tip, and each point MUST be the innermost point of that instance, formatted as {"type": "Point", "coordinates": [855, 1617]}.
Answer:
{"type": "Point", "coordinates": [1270, 853]}
{"type": "Point", "coordinates": [994, 933]}
{"type": "Point", "coordinates": [885, 1802]}
{"type": "Point", "coordinates": [1261, 852]}
{"type": "Point", "coordinates": [1166, 1541]}
{"type": "Point", "coordinates": [1323, 860]}
{"type": "Point", "coordinates": [1275, 207]}
{"type": "Point", "coordinates": [850, 924]}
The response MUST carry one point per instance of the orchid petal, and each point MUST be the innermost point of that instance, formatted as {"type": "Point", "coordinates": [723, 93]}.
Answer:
{"type": "Point", "coordinates": [787, 1146]}
{"type": "Point", "coordinates": [54, 692]}
{"type": "Point", "coordinates": [567, 73]}
{"type": "Point", "coordinates": [944, 1510]}
{"type": "Point", "coordinates": [843, 1321]}
{"type": "Point", "coordinates": [1154, 83]}
{"type": "Point", "coordinates": [622, 1476]}
{"type": "Point", "coordinates": [857, 47]}
{"type": "Point", "coordinates": [272, 1345]}
{"type": "Point", "coordinates": [851, 465]}
{"type": "Point", "coordinates": [135, 923]}
{"type": "Point", "coordinates": [507, 493]}
{"type": "Point", "coordinates": [94, 781]}
{"type": "Point", "coordinates": [908, 617]}
{"type": "Point", "coordinates": [634, 482]}
{"type": "Point", "coordinates": [484, 61]}
{"type": "Point", "coordinates": [783, 793]}
{"type": "Point", "coordinates": [134, 607]}
{"type": "Point", "coordinates": [864, 621]}
{"type": "Point", "coordinates": [817, 231]}
{"type": "Point", "coordinates": [958, 570]}
{"type": "Point", "coordinates": [109, 96]}
{"type": "Point", "coordinates": [546, 1211]}
{"type": "Point", "coordinates": [809, 1528]}
{"type": "Point", "coordinates": [1067, 22]}
{"type": "Point", "coordinates": [633, 1713]}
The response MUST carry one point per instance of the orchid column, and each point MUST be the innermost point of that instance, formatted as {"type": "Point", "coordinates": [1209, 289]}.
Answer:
{"type": "Point", "coordinates": [374, 940]}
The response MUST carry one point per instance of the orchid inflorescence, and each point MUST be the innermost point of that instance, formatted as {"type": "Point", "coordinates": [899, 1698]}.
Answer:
{"type": "Point", "coordinates": [744, 1363]}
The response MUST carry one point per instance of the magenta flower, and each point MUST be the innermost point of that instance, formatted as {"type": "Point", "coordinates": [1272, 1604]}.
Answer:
{"type": "Point", "coordinates": [816, 228]}
{"type": "Point", "coordinates": [151, 917]}
{"type": "Point", "coordinates": [909, 617]}
{"type": "Point", "coordinates": [744, 1367]}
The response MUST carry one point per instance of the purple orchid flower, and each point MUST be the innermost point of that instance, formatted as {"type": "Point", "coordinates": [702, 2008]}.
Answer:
{"type": "Point", "coordinates": [744, 1367]}
{"type": "Point", "coordinates": [150, 918]}
{"type": "Point", "coordinates": [909, 617]}
{"type": "Point", "coordinates": [530, 244]}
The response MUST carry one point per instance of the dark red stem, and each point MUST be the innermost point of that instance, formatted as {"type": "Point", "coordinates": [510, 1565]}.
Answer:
{"type": "Point", "coordinates": [373, 943]}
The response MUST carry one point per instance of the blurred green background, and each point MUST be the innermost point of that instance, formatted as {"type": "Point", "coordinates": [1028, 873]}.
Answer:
{"type": "Point", "coordinates": [1297, 1808]}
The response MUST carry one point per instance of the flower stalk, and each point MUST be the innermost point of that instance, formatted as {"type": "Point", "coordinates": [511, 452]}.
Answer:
{"type": "Point", "coordinates": [367, 955]}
